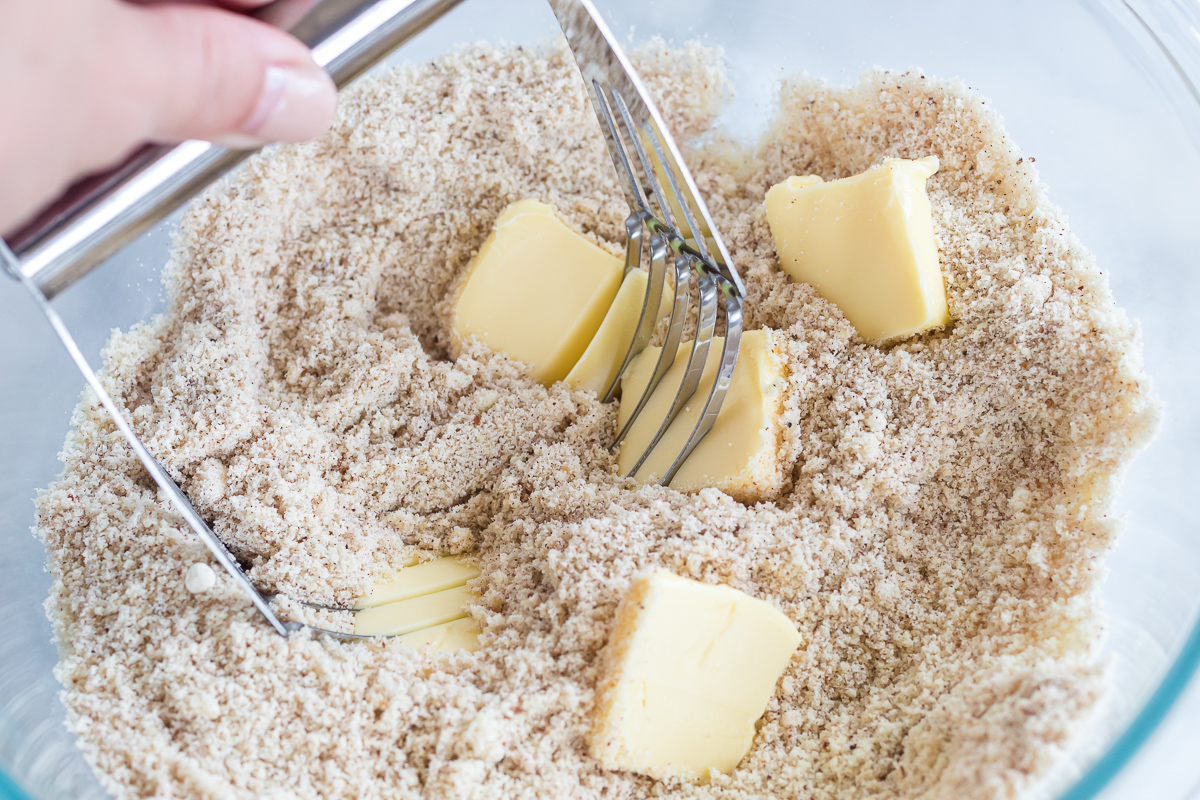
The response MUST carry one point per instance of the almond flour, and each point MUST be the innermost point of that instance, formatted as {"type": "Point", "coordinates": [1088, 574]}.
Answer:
{"type": "Point", "coordinates": [937, 543]}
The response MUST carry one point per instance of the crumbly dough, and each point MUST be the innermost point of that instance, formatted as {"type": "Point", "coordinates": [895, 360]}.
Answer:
{"type": "Point", "coordinates": [938, 542]}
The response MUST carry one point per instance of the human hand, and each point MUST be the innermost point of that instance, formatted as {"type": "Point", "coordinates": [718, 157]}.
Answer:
{"type": "Point", "coordinates": [84, 82]}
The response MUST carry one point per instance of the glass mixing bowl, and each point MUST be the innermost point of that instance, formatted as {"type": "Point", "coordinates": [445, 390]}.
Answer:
{"type": "Point", "coordinates": [1101, 92]}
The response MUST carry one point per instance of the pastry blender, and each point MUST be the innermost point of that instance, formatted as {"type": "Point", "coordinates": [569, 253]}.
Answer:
{"type": "Point", "coordinates": [96, 217]}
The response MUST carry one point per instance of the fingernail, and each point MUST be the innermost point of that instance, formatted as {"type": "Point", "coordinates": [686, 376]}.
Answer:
{"type": "Point", "coordinates": [296, 104]}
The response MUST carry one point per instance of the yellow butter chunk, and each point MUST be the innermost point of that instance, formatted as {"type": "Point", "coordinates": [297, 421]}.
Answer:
{"type": "Point", "coordinates": [597, 367]}
{"type": "Point", "coordinates": [866, 244]}
{"type": "Point", "coordinates": [740, 455]}
{"type": "Point", "coordinates": [537, 290]}
{"type": "Point", "coordinates": [413, 614]}
{"type": "Point", "coordinates": [422, 604]}
{"type": "Point", "coordinates": [461, 634]}
{"type": "Point", "coordinates": [687, 673]}
{"type": "Point", "coordinates": [418, 579]}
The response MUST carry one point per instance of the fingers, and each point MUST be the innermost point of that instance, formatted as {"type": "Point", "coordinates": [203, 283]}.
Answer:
{"type": "Point", "coordinates": [84, 82]}
{"type": "Point", "coordinates": [284, 14]}
{"type": "Point", "coordinates": [238, 5]}
{"type": "Point", "coordinates": [205, 73]}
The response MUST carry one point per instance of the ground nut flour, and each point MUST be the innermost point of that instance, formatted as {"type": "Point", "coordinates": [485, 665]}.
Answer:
{"type": "Point", "coordinates": [937, 543]}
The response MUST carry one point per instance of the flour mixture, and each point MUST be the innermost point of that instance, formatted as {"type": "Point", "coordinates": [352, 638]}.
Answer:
{"type": "Point", "coordinates": [937, 543]}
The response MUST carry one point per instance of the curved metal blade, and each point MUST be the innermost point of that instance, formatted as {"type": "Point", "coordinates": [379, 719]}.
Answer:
{"type": "Point", "coordinates": [716, 396]}
{"type": "Point", "coordinates": [601, 59]}
{"type": "Point", "coordinates": [660, 248]}
{"type": "Point", "coordinates": [706, 323]}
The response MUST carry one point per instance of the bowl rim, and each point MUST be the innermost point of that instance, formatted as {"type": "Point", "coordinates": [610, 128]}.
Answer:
{"type": "Point", "coordinates": [1145, 19]}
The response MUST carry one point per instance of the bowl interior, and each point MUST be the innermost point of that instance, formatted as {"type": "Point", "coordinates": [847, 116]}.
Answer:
{"type": "Point", "coordinates": [1108, 140]}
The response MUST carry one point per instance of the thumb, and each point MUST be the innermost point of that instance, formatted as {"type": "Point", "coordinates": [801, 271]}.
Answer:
{"type": "Point", "coordinates": [206, 73]}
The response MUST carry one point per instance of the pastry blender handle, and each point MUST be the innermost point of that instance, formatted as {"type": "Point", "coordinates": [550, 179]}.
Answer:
{"type": "Point", "coordinates": [102, 213]}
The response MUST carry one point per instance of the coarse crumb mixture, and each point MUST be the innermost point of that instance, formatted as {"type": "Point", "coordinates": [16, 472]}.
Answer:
{"type": "Point", "coordinates": [937, 544]}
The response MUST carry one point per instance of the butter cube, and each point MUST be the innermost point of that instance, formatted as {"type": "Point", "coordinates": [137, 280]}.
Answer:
{"type": "Point", "coordinates": [866, 244]}
{"type": "Point", "coordinates": [740, 455]}
{"type": "Point", "coordinates": [536, 290]}
{"type": "Point", "coordinates": [686, 675]}
{"type": "Point", "coordinates": [424, 605]}
{"type": "Point", "coordinates": [461, 634]}
{"type": "Point", "coordinates": [416, 579]}
{"type": "Point", "coordinates": [597, 367]}
{"type": "Point", "coordinates": [413, 614]}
